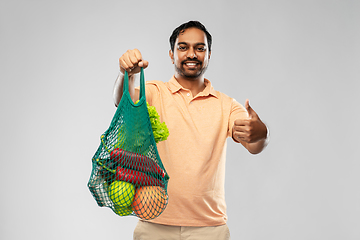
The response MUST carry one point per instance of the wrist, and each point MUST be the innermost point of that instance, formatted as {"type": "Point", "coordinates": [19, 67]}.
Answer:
{"type": "Point", "coordinates": [267, 138]}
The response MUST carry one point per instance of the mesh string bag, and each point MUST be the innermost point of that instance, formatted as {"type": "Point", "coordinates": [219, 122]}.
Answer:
{"type": "Point", "coordinates": [127, 173]}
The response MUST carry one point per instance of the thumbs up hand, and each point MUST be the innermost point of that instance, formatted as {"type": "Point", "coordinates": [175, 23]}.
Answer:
{"type": "Point", "coordinates": [249, 130]}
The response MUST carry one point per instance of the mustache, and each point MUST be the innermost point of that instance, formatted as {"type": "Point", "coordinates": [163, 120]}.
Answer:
{"type": "Point", "coordinates": [192, 60]}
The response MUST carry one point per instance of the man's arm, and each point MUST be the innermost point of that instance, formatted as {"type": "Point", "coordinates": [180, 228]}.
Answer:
{"type": "Point", "coordinates": [252, 133]}
{"type": "Point", "coordinates": [132, 62]}
{"type": "Point", "coordinates": [118, 88]}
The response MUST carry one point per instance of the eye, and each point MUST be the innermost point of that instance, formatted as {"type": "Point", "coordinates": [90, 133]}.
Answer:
{"type": "Point", "coordinates": [182, 48]}
{"type": "Point", "coordinates": [201, 49]}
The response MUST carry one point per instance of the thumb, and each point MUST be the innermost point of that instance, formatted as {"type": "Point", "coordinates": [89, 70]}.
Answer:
{"type": "Point", "coordinates": [144, 64]}
{"type": "Point", "coordinates": [251, 112]}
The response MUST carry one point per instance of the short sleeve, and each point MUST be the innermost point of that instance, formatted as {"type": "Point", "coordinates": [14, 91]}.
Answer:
{"type": "Point", "coordinates": [152, 92]}
{"type": "Point", "coordinates": [237, 111]}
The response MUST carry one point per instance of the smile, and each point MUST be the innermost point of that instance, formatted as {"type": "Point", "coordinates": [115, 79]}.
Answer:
{"type": "Point", "coordinates": [191, 64]}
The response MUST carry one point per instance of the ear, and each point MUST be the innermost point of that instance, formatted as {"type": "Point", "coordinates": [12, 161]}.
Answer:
{"type": "Point", "coordinates": [171, 54]}
{"type": "Point", "coordinates": [209, 54]}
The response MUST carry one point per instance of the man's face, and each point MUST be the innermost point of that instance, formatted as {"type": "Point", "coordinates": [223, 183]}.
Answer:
{"type": "Point", "coordinates": [190, 54]}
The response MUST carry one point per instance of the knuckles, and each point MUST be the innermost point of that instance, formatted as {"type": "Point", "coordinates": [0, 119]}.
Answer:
{"type": "Point", "coordinates": [247, 130]}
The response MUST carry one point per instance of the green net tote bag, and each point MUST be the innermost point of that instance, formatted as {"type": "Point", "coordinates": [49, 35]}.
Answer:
{"type": "Point", "coordinates": [127, 173]}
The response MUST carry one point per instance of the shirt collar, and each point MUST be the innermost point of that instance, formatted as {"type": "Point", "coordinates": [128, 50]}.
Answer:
{"type": "Point", "coordinates": [175, 86]}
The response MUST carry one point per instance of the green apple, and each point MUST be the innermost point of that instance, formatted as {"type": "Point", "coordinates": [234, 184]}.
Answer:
{"type": "Point", "coordinates": [121, 193]}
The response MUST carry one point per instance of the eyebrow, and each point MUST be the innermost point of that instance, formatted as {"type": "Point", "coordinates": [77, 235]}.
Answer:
{"type": "Point", "coordinates": [196, 44]}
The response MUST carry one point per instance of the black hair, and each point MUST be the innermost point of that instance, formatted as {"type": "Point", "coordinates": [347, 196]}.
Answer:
{"type": "Point", "coordinates": [190, 24]}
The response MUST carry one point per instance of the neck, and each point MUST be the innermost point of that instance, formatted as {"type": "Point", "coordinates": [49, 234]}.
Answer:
{"type": "Point", "coordinates": [195, 85]}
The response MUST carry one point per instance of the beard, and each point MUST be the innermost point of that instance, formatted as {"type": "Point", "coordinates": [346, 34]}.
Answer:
{"type": "Point", "coordinates": [190, 74]}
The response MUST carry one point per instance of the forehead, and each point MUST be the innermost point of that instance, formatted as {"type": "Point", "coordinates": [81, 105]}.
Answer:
{"type": "Point", "coordinates": [192, 36]}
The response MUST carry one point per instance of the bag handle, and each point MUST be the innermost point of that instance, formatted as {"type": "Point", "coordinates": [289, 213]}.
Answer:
{"type": "Point", "coordinates": [142, 84]}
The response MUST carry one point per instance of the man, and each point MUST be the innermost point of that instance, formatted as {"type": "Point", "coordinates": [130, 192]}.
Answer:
{"type": "Point", "coordinates": [199, 121]}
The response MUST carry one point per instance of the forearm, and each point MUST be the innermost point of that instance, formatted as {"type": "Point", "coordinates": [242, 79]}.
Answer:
{"type": "Point", "coordinates": [118, 88]}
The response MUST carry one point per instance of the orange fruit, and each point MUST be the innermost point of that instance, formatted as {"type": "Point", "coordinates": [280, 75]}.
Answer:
{"type": "Point", "coordinates": [149, 202]}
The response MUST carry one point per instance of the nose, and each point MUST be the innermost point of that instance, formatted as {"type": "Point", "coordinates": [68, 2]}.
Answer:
{"type": "Point", "coordinates": [191, 53]}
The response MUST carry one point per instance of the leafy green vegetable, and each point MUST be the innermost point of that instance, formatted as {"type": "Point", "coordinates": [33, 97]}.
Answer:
{"type": "Point", "coordinates": [160, 130]}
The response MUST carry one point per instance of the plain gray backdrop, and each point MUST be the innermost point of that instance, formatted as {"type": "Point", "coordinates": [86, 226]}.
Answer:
{"type": "Point", "coordinates": [296, 60]}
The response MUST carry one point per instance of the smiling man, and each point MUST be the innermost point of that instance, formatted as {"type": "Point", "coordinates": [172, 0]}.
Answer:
{"type": "Point", "coordinates": [200, 119]}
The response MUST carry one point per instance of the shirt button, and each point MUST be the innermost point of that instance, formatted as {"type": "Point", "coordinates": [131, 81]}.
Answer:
{"type": "Point", "coordinates": [188, 94]}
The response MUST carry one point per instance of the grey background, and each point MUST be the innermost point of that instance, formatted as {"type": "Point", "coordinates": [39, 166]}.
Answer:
{"type": "Point", "coordinates": [297, 61]}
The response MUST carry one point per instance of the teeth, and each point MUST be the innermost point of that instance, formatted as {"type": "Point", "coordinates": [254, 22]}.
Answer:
{"type": "Point", "coordinates": [191, 64]}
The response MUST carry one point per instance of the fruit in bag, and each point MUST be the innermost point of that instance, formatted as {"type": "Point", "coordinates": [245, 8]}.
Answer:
{"type": "Point", "coordinates": [121, 193]}
{"type": "Point", "coordinates": [149, 202]}
{"type": "Point", "coordinates": [123, 211]}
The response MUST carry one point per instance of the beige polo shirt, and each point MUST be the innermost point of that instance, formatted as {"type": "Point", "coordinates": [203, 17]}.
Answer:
{"type": "Point", "coordinates": [195, 151]}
